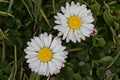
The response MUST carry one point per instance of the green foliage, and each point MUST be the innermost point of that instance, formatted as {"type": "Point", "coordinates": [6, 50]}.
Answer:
{"type": "Point", "coordinates": [20, 20]}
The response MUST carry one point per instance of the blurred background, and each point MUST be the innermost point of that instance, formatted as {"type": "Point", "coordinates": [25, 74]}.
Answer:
{"type": "Point", "coordinates": [96, 58]}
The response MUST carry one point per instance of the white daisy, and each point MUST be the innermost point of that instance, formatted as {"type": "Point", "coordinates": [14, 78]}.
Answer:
{"type": "Point", "coordinates": [46, 56]}
{"type": "Point", "coordinates": [74, 23]}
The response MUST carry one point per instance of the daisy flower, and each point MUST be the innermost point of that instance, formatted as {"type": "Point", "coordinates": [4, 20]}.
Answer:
{"type": "Point", "coordinates": [74, 23]}
{"type": "Point", "coordinates": [45, 56]}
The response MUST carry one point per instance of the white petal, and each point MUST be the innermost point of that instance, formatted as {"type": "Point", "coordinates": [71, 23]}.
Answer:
{"type": "Point", "coordinates": [45, 69]}
{"type": "Point", "coordinates": [82, 36]}
{"type": "Point", "coordinates": [62, 53]}
{"type": "Point", "coordinates": [49, 40]}
{"type": "Point", "coordinates": [41, 68]}
{"type": "Point", "coordinates": [34, 65]}
{"type": "Point", "coordinates": [32, 60]}
{"type": "Point", "coordinates": [56, 41]}
{"type": "Point", "coordinates": [88, 26]}
{"type": "Point", "coordinates": [45, 38]}
{"type": "Point", "coordinates": [85, 32]}
{"type": "Point", "coordinates": [71, 36]}
{"type": "Point", "coordinates": [63, 9]}
{"type": "Point", "coordinates": [38, 42]}
{"type": "Point", "coordinates": [78, 4]}
{"type": "Point", "coordinates": [67, 5]}
{"type": "Point", "coordinates": [77, 35]}
{"type": "Point", "coordinates": [61, 59]}
{"type": "Point", "coordinates": [57, 63]}
{"type": "Point", "coordinates": [33, 45]}
{"type": "Point", "coordinates": [58, 27]}
{"type": "Point", "coordinates": [72, 10]}
{"type": "Point", "coordinates": [31, 56]}
{"type": "Point", "coordinates": [51, 67]}
{"type": "Point", "coordinates": [67, 39]}
{"type": "Point", "coordinates": [88, 19]}
{"type": "Point", "coordinates": [57, 47]}
{"type": "Point", "coordinates": [30, 52]}
{"type": "Point", "coordinates": [58, 22]}
{"type": "Point", "coordinates": [56, 17]}
{"type": "Point", "coordinates": [32, 49]}
{"type": "Point", "coordinates": [72, 3]}
{"type": "Point", "coordinates": [65, 31]}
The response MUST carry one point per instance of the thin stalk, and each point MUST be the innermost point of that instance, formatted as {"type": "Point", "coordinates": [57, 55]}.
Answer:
{"type": "Point", "coordinates": [10, 5]}
{"type": "Point", "coordinates": [53, 5]}
{"type": "Point", "coordinates": [21, 71]}
{"type": "Point", "coordinates": [11, 75]}
{"type": "Point", "coordinates": [37, 77]}
{"type": "Point", "coordinates": [48, 77]}
{"type": "Point", "coordinates": [75, 49]}
{"type": "Point", "coordinates": [115, 58]}
{"type": "Point", "coordinates": [3, 51]}
{"type": "Point", "coordinates": [25, 4]}
{"type": "Point", "coordinates": [15, 63]}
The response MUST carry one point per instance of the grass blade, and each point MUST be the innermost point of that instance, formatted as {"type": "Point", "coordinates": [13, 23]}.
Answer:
{"type": "Point", "coordinates": [27, 8]}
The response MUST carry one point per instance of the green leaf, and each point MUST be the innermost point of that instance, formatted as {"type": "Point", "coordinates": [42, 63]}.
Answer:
{"type": "Point", "coordinates": [106, 60]}
{"type": "Point", "coordinates": [95, 64]}
{"type": "Point", "coordinates": [1, 72]}
{"type": "Point", "coordinates": [116, 25]}
{"type": "Point", "coordinates": [114, 77]}
{"type": "Point", "coordinates": [99, 42]}
{"type": "Point", "coordinates": [34, 76]}
{"type": "Point", "coordinates": [84, 70]}
{"type": "Point", "coordinates": [68, 73]}
{"type": "Point", "coordinates": [109, 19]}
{"type": "Point", "coordinates": [3, 77]}
{"type": "Point", "coordinates": [95, 8]}
{"type": "Point", "coordinates": [83, 56]}
{"type": "Point", "coordinates": [117, 62]}
{"type": "Point", "coordinates": [115, 69]}
{"type": "Point", "coordinates": [3, 64]}
{"type": "Point", "coordinates": [14, 33]}
{"type": "Point", "coordinates": [18, 23]}
{"type": "Point", "coordinates": [101, 72]}
{"type": "Point", "coordinates": [7, 69]}
{"type": "Point", "coordinates": [77, 77]}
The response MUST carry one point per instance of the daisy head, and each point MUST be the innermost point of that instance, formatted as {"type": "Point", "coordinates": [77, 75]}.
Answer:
{"type": "Point", "coordinates": [45, 55]}
{"type": "Point", "coordinates": [74, 23]}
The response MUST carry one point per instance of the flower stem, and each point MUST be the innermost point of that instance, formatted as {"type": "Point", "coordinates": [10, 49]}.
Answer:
{"type": "Point", "coordinates": [3, 51]}
{"type": "Point", "coordinates": [48, 77]}
{"type": "Point", "coordinates": [15, 63]}
{"type": "Point", "coordinates": [75, 49]}
{"type": "Point", "coordinates": [53, 3]}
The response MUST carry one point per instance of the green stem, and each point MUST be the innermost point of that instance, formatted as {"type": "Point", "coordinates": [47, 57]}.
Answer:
{"type": "Point", "coordinates": [75, 49]}
{"type": "Point", "coordinates": [11, 75]}
{"type": "Point", "coordinates": [37, 77]}
{"type": "Point", "coordinates": [53, 4]}
{"type": "Point", "coordinates": [3, 51]}
{"type": "Point", "coordinates": [115, 58]}
{"type": "Point", "coordinates": [15, 63]}
{"type": "Point", "coordinates": [48, 77]}
{"type": "Point", "coordinates": [10, 5]}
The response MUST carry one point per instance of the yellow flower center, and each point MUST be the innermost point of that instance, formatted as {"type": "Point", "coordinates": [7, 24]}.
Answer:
{"type": "Point", "coordinates": [45, 54]}
{"type": "Point", "coordinates": [74, 22]}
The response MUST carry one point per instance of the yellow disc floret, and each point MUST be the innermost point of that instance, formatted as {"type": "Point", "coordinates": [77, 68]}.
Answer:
{"type": "Point", "coordinates": [45, 54]}
{"type": "Point", "coordinates": [74, 22]}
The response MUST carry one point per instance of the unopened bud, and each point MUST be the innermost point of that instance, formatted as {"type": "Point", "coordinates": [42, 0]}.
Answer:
{"type": "Point", "coordinates": [93, 32]}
